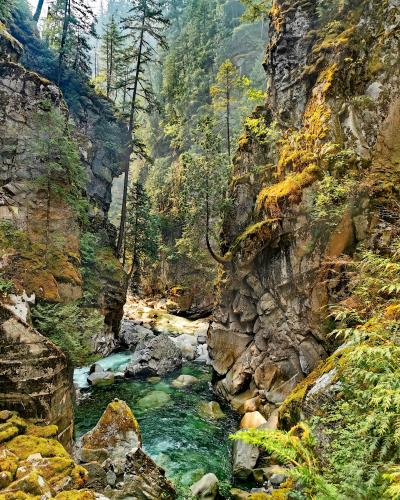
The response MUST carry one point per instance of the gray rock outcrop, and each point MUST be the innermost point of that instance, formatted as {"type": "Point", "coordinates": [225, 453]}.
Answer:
{"type": "Point", "coordinates": [153, 357]}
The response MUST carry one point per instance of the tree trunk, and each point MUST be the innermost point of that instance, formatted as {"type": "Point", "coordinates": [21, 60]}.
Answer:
{"type": "Point", "coordinates": [38, 11]}
{"type": "Point", "coordinates": [67, 17]}
{"type": "Point", "coordinates": [122, 225]}
{"type": "Point", "coordinates": [228, 119]}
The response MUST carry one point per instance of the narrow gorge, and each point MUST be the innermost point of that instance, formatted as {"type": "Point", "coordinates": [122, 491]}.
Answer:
{"type": "Point", "coordinates": [199, 269]}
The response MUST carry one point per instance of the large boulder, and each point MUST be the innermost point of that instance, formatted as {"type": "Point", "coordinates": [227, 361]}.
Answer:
{"type": "Point", "coordinates": [143, 480]}
{"type": "Point", "coordinates": [206, 488]}
{"type": "Point", "coordinates": [157, 356]}
{"type": "Point", "coordinates": [188, 345]}
{"type": "Point", "coordinates": [116, 434]}
{"type": "Point", "coordinates": [131, 334]}
{"type": "Point", "coordinates": [99, 376]}
{"type": "Point", "coordinates": [245, 458]}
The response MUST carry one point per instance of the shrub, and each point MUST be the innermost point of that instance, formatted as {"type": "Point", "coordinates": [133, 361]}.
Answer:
{"type": "Point", "coordinates": [71, 327]}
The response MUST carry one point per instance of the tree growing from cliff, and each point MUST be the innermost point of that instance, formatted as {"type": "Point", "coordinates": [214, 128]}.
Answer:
{"type": "Point", "coordinates": [144, 31]}
{"type": "Point", "coordinates": [69, 27]}
{"type": "Point", "coordinates": [256, 9]}
{"type": "Point", "coordinates": [223, 95]}
{"type": "Point", "coordinates": [204, 181]}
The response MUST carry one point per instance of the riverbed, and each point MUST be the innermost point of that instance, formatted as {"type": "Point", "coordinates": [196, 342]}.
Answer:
{"type": "Point", "coordinates": [175, 432]}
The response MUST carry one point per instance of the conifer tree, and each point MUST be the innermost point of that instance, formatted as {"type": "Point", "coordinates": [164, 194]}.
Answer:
{"type": "Point", "coordinates": [142, 232]}
{"type": "Point", "coordinates": [111, 47]}
{"type": "Point", "coordinates": [223, 94]}
{"type": "Point", "coordinates": [144, 30]}
{"type": "Point", "coordinates": [70, 25]}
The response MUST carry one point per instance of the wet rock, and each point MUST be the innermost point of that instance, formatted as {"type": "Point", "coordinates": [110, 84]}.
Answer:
{"type": "Point", "coordinates": [97, 476]}
{"type": "Point", "coordinates": [238, 494]}
{"type": "Point", "coordinates": [244, 457]}
{"type": "Point", "coordinates": [154, 399]}
{"type": "Point", "coordinates": [252, 420]}
{"type": "Point", "coordinates": [206, 488]}
{"type": "Point", "coordinates": [132, 334]}
{"type": "Point", "coordinates": [101, 377]}
{"type": "Point", "coordinates": [157, 356]}
{"type": "Point", "coordinates": [211, 410]}
{"type": "Point", "coordinates": [143, 480]}
{"type": "Point", "coordinates": [188, 346]}
{"type": "Point", "coordinates": [117, 432]}
{"type": "Point", "coordinates": [184, 381]}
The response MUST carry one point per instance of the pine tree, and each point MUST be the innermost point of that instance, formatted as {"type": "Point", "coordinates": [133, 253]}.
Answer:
{"type": "Point", "coordinates": [144, 30]}
{"type": "Point", "coordinates": [142, 232]}
{"type": "Point", "coordinates": [38, 10]}
{"type": "Point", "coordinates": [69, 27]}
{"type": "Point", "coordinates": [112, 44]}
{"type": "Point", "coordinates": [223, 94]}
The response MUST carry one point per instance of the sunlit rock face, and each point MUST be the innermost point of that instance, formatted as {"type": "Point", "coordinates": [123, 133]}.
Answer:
{"type": "Point", "coordinates": [35, 380]}
{"type": "Point", "coordinates": [333, 107]}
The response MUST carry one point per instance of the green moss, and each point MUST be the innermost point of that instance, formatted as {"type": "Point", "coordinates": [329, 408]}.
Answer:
{"type": "Point", "coordinates": [76, 495]}
{"type": "Point", "coordinates": [24, 446]}
{"type": "Point", "coordinates": [290, 410]}
{"type": "Point", "coordinates": [7, 432]}
{"type": "Point", "coordinates": [46, 431]}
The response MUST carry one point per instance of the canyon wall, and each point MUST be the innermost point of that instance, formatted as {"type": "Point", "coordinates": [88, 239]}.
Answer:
{"type": "Point", "coordinates": [57, 247]}
{"type": "Point", "coordinates": [316, 174]}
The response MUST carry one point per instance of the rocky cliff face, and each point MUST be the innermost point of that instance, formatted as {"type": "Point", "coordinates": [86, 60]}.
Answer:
{"type": "Point", "coordinates": [41, 230]}
{"type": "Point", "coordinates": [56, 244]}
{"type": "Point", "coordinates": [315, 173]}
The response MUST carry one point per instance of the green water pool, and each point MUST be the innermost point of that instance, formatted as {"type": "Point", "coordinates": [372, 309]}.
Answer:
{"type": "Point", "coordinates": [174, 432]}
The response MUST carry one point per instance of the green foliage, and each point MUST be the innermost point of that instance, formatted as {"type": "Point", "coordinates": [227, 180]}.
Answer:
{"type": "Point", "coordinates": [294, 449]}
{"type": "Point", "coordinates": [143, 232]}
{"type": "Point", "coordinates": [256, 9]}
{"type": "Point", "coordinates": [363, 425]}
{"type": "Point", "coordinates": [331, 199]}
{"type": "Point", "coordinates": [63, 173]}
{"type": "Point", "coordinates": [6, 286]}
{"type": "Point", "coordinates": [71, 327]}
{"type": "Point", "coordinates": [6, 7]}
{"type": "Point", "coordinates": [261, 132]}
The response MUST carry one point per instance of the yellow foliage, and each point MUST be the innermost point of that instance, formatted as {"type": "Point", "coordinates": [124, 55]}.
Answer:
{"type": "Point", "coordinates": [289, 188]}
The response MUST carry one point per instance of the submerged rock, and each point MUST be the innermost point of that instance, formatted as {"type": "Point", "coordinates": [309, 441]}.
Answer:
{"type": "Point", "coordinates": [211, 410]}
{"type": "Point", "coordinates": [157, 356]}
{"type": "Point", "coordinates": [117, 433]}
{"type": "Point", "coordinates": [206, 488]}
{"type": "Point", "coordinates": [154, 399]}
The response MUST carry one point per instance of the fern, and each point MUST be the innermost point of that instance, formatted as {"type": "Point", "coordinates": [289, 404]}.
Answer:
{"type": "Point", "coordinates": [294, 449]}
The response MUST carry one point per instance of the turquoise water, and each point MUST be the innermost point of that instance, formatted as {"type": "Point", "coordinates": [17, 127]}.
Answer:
{"type": "Point", "coordinates": [174, 433]}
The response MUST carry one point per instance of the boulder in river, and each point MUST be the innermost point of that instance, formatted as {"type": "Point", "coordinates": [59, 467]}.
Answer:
{"type": "Point", "coordinates": [184, 381]}
{"type": "Point", "coordinates": [188, 345]}
{"type": "Point", "coordinates": [143, 479]}
{"type": "Point", "coordinates": [206, 488]}
{"type": "Point", "coordinates": [245, 458]}
{"type": "Point", "coordinates": [99, 376]}
{"type": "Point", "coordinates": [117, 433]}
{"type": "Point", "coordinates": [211, 410]}
{"type": "Point", "coordinates": [131, 334]}
{"type": "Point", "coordinates": [156, 356]}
